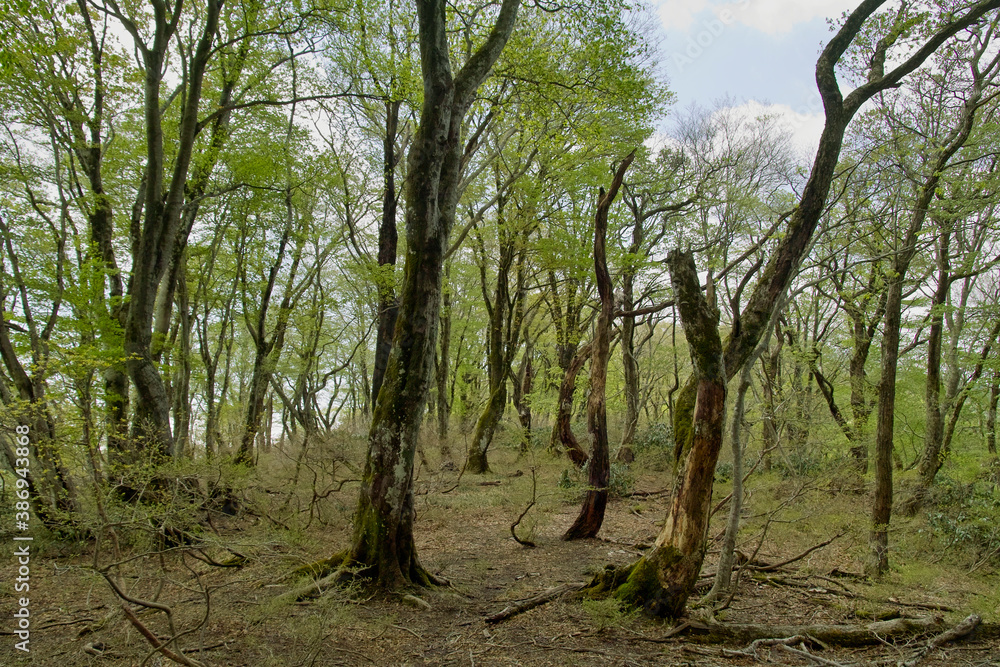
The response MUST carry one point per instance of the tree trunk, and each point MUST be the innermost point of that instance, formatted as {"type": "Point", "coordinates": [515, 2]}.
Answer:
{"type": "Point", "coordinates": [442, 368]}
{"type": "Point", "coordinates": [522, 383]}
{"type": "Point", "coordinates": [882, 505]}
{"type": "Point", "coordinates": [931, 459]}
{"type": "Point", "coordinates": [383, 542]}
{"type": "Point", "coordinates": [562, 431]}
{"type": "Point", "coordinates": [667, 574]}
{"type": "Point", "coordinates": [182, 374]}
{"type": "Point", "coordinates": [388, 307]}
{"type": "Point", "coordinates": [591, 516]}
{"type": "Point", "coordinates": [724, 571]}
{"type": "Point", "coordinates": [991, 414]}
{"type": "Point", "coordinates": [631, 369]}
{"type": "Point", "coordinates": [268, 350]}
{"type": "Point", "coordinates": [665, 577]}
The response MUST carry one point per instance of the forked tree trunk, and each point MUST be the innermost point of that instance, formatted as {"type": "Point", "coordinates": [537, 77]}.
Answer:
{"type": "Point", "coordinates": [383, 544]}
{"type": "Point", "coordinates": [588, 523]}
{"type": "Point", "coordinates": [562, 431]}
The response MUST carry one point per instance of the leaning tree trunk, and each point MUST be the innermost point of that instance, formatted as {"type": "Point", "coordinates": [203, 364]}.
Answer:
{"type": "Point", "coordinates": [588, 523]}
{"type": "Point", "coordinates": [383, 545]}
{"type": "Point", "coordinates": [667, 573]}
{"type": "Point", "coordinates": [562, 431]}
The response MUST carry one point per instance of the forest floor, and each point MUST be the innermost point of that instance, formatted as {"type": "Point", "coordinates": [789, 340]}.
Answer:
{"type": "Point", "coordinates": [229, 615]}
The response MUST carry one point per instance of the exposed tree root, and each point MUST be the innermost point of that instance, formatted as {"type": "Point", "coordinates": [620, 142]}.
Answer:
{"type": "Point", "coordinates": [341, 569]}
{"type": "Point", "coordinates": [321, 568]}
{"type": "Point", "coordinates": [960, 631]}
{"type": "Point", "coordinates": [522, 606]}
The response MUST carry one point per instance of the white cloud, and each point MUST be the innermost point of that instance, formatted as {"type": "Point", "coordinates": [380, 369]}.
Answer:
{"type": "Point", "coordinates": [779, 16]}
{"type": "Point", "coordinates": [804, 126]}
{"type": "Point", "coordinates": [769, 16]}
{"type": "Point", "coordinates": [679, 14]}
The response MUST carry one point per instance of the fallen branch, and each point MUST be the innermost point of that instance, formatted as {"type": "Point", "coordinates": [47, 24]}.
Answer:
{"type": "Point", "coordinates": [522, 606]}
{"type": "Point", "coordinates": [647, 494]}
{"type": "Point", "coordinates": [155, 642]}
{"type": "Point", "coordinates": [840, 635]}
{"type": "Point", "coordinates": [960, 631]}
{"type": "Point", "coordinates": [776, 566]}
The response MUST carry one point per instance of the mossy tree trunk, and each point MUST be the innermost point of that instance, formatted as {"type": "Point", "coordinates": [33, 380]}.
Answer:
{"type": "Point", "coordinates": [383, 544]}
{"type": "Point", "coordinates": [591, 516]}
{"type": "Point", "coordinates": [665, 577]}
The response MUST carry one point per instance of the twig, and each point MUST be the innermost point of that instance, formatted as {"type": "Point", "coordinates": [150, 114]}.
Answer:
{"type": "Point", "coordinates": [772, 568]}
{"type": "Point", "coordinates": [513, 526]}
{"type": "Point", "coordinates": [809, 656]}
{"type": "Point", "coordinates": [459, 480]}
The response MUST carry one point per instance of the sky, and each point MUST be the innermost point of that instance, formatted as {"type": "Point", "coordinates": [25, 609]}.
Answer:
{"type": "Point", "coordinates": [761, 53]}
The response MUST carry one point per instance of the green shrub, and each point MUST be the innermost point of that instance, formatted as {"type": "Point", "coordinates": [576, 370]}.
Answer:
{"type": "Point", "coordinates": [656, 437]}
{"type": "Point", "coordinates": [967, 516]}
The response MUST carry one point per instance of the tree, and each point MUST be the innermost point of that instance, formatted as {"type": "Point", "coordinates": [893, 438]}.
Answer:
{"type": "Point", "coordinates": [591, 516]}
{"type": "Point", "coordinates": [668, 572]}
{"type": "Point", "coordinates": [956, 129]}
{"type": "Point", "coordinates": [382, 544]}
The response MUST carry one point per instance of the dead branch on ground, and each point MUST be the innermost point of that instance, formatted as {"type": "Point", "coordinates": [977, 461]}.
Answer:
{"type": "Point", "coordinates": [521, 606]}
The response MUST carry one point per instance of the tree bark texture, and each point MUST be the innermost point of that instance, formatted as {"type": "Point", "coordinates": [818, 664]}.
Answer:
{"type": "Point", "coordinates": [671, 568]}
{"type": "Point", "coordinates": [591, 516]}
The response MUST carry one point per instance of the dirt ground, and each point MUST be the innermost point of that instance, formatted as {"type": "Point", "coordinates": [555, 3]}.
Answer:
{"type": "Point", "coordinates": [227, 615]}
